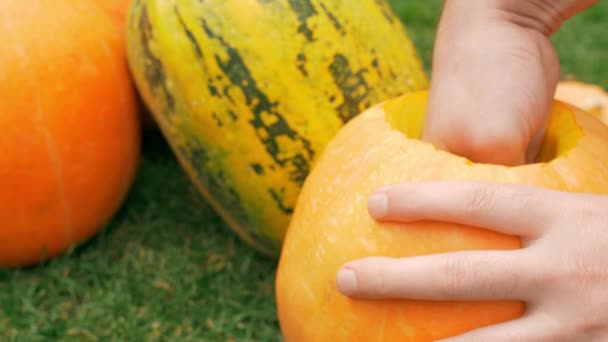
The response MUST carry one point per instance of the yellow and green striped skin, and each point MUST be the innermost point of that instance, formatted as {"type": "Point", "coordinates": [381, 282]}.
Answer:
{"type": "Point", "coordinates": [249, 92]}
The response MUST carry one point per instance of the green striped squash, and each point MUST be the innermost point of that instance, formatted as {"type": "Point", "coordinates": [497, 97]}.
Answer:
{"type": "Point", "coordinates": [249, 92]}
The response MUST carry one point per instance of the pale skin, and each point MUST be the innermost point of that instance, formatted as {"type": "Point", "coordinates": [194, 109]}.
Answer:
{"type": "Point", "coordinates": [494, 75]}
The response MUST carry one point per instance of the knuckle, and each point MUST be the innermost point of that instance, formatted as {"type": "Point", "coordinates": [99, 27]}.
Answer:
{"type": "Point", "coordinates": [479, 143]}
{"type": "Point", "coordinates": [579, 271]}
{"type": "Point", "coordinates": [589, 326]}
{"type": "Point", "coordinates": [510, 142]}
{"type": "Point", "coordinates": [455, 272]}
{"type": "Point", "coordinates": [454, 132]}
{"type": "Point", "coordinates": [372, 280]}
{"type": "Point", "coordinates": [582, 268]}
{"type": "Point", "coordinates": [588, 211]}
{"type": "Point", "coordinates": [585, 271]}
{"type": "Point", "coordinates": [503, 136]}
{"type": "Point", "coordinates": [544, 275]}
{"type": "Point", "coordinates": [522, 198]}
{"type": "Point", "coordinates": [479, 199]}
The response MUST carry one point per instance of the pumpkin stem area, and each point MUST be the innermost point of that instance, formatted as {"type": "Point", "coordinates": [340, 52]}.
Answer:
{"type": "Point", "coordinates": [406, 114]}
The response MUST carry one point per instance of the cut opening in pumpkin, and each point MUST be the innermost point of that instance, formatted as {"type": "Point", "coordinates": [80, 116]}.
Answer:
{"type": "Point", "coordinates": [562, 134]}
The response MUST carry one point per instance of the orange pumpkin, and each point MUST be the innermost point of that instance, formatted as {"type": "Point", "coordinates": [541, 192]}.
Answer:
{"type": "Point", "coordinates": [118, 10]}
{"type": "Point", "coordinates": [70, 133]}
{"type": "Point", "coordinates": [331, 225]}
{"type": "Point", "coordinates": [589, 97]}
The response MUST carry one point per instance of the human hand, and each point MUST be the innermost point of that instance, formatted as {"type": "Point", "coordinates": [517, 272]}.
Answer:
{"type": "Point", "coordinates": [495, 71]}
{"type": "Point", "coordinates": [561, 272]}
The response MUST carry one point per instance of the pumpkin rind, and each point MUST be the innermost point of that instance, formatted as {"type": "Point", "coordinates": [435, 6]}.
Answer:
{"type": "Point", "coordinates": [331, 224]}
{"type": "Point", "coordinates": [249, 92]}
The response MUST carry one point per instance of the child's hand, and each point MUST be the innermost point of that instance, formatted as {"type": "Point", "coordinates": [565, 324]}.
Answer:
{"type": "Point", "coordinates": [494, 75]}
{"type": "Point", "coordinates": [562, 272]}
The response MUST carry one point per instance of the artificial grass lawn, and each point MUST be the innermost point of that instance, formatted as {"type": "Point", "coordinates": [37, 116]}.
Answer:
{"type": "Point", "coordinates": [167, 268]}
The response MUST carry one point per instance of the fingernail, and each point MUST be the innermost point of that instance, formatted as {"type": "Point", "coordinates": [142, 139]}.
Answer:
{"type": "Point", "coordinates": [346, 281]}
{"type": "Point", "coordinates": [378, 204]}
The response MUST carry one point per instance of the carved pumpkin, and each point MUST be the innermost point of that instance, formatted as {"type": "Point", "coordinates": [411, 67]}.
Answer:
{"type": "Point", "coordinates": [331, 225]}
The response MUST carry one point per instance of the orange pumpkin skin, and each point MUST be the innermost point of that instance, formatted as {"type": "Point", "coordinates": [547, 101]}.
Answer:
{"type": "Point", "coordinates": [70, 135]}
{"type": "Point", "coordinates": [118, 10]}
{"type": "Point", "coordinates": [331, 224]}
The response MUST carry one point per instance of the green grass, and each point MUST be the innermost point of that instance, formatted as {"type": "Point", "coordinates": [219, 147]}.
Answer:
{"type": "Point", "coordinates": [167, 268]}
{"type": "Point", "coordinates": [582, 44]}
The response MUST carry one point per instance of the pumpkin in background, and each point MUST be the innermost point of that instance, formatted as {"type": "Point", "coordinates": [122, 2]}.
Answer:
{"type": "Point", "coordinates": [331, 225]}
{"type": "Point", "coordinates": [589, 97]}
{"type": "Point", "coordinates": [69, 146]}
{"type": "Point", "coordinates": [118, 10]}
{"type": "Point", "coordinates": [248, 93]}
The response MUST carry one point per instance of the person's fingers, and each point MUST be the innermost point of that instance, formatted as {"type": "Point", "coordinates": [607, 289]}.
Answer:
{"type": "Point", "coordinates": [467, 275]}
{"type": "Point", "coordinates": [492, 135]}
{"type": "Point", "coordinates": [532, 327]}
{"type": "Point", "coordinates": [492, 86]}
{"type": "Point", "coordinates": [507, 208]}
